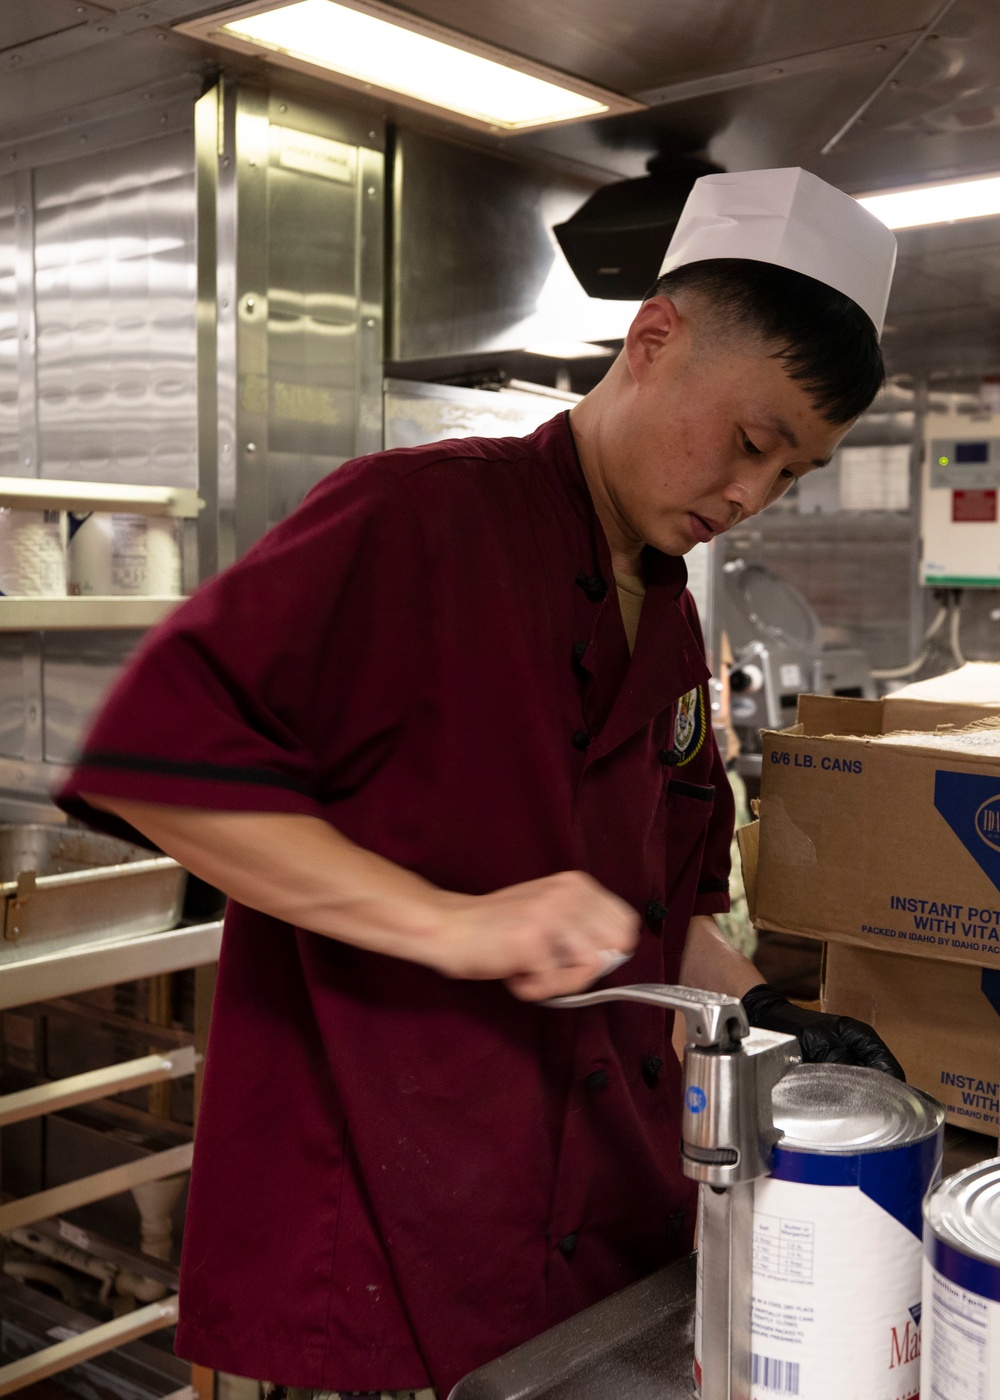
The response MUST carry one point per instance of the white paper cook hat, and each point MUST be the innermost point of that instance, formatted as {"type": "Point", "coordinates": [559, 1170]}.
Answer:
{"type": "Point", "coordinates": [793, 219]}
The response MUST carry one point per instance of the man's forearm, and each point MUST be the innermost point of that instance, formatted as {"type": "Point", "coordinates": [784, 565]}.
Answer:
{"type": "Point", "coordinates": [543, 938]}
{"type": "Point", "coordinates": [712, 963]}
{"type": "Point", "coordinates": [298, 869]}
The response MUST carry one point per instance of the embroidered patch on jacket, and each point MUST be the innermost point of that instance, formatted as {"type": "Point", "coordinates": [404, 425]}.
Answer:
{"type": "Point", "coordinates": [690, 725]}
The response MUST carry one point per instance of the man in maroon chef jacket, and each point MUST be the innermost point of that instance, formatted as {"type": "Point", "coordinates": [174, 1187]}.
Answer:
{"type": "Point", "coordinates": [443, 738]}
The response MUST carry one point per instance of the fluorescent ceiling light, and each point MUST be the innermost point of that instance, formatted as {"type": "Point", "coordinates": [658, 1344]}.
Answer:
{"type": "Point", "coordinates": [568, 350]}
{"type": "Point", "coordinates": [936, 204]}
{"type": "Point", "coordinates": [365, 44]}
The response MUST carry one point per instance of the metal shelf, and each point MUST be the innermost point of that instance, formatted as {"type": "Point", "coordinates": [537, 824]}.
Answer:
{"type": "Point", "coordinates": [39, 1365]}
{"type": "Point", "coordinates": [77, 614]}
{"type": "Point", "coordinates": [90, 965]}
{"type": "Point", "coordinates": [31, 493]}
{"type": "Point", "coordinates": [65, 973]}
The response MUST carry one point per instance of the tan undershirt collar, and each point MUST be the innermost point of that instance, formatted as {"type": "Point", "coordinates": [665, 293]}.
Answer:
{"type": "Point", "coordinates": [631, 592]}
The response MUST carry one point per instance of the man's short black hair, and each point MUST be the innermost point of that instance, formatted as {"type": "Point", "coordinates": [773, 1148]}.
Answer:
{"type": "Point", "coordinates": [824, 340]}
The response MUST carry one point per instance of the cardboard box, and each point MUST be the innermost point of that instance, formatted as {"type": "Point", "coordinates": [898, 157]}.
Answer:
{"type": "Point", "coordinates": [941, 1021]}
{"type": "Point", "coordinates": [961, 697]}
{"type": "Point", "coordinates": [880, 839]}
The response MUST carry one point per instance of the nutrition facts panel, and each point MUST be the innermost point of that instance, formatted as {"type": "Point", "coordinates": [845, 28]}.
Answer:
{"type": "Point", "coordinates": [960, 1343]}
{"type": "Point", "coordinates": [783, 1249]}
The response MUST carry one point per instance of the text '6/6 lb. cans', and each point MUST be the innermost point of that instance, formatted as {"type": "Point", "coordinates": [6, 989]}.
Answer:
{"type": "Point", "coordinates": [961, 1352]}
{"type": "Point", "coordinates": [837, 1229]}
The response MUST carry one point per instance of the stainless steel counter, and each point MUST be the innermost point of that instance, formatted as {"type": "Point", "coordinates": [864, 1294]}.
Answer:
{"type": "Point", "coordinates": [636, 1345]}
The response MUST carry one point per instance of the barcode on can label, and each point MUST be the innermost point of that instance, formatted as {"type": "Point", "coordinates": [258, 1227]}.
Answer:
{"type": "Point", "coordinates": [779, 1377]}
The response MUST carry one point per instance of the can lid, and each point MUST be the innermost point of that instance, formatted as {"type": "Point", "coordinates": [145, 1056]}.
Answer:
{"type": "Point", "coordinates": [846, 1109]}
{"type": "Point", "coordinates": [964, 1210]}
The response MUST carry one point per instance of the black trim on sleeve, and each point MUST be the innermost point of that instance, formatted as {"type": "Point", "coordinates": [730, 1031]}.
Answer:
{"type": "Point", "coordinates": [211, 772]}
{"type": "Point", "coordinates": [703, 794]}
{"type": "Point", "coordinates": [712, 885]}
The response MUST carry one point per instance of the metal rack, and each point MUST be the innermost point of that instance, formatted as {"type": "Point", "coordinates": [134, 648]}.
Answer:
{"type": "Point", "coordinates": [66, 973]}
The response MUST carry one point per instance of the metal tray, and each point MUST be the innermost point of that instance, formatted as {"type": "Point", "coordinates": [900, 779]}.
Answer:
{"type": "Point", "coordinates": [60, 886]}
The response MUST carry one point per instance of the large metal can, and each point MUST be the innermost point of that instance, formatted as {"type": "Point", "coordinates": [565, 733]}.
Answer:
{"type": "Point", "coordinates": [961, 1319]}
{"type": "Point", "coordinates": [837, 1229]}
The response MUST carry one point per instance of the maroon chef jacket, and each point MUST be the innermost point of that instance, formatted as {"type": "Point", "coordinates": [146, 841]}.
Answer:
{"type": "Point", "coordinates": [397, 1176]}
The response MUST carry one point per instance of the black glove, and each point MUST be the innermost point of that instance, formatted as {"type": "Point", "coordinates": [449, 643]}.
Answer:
{"type": "Point", "coordinates": [823, 1039]}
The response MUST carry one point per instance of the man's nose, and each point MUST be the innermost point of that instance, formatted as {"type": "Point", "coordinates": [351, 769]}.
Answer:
{"type": "Point", "coordinates": [745, 497]}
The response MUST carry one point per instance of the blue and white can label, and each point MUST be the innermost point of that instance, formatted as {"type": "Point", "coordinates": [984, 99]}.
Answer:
{"type": "Point", "coordinates": [836, 1274]}
{"type": "Point", "coordinates": [961, 1353]}
{"type": "Point", "coordinates": [836, 1295]}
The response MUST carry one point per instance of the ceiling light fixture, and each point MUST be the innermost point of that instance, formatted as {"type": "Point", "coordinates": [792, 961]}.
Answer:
{"type": "Point", "coordinates": [366, 45]}
{"type": "Point", "coordinates": [936, 204]}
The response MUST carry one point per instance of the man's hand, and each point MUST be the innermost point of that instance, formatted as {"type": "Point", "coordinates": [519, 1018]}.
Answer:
{"type": "Point", "coordinates": [544, 938]}
{"type": "Point", "coordinates": [824, 1039]}
{"type": "Point", "coordinates": [711, 963]}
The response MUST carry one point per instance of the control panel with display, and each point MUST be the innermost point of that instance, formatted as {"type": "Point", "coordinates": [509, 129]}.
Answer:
{"type": "Point", "coordinates": [960, 501]}
{"type": "Point", "coordinates": [964, 464]}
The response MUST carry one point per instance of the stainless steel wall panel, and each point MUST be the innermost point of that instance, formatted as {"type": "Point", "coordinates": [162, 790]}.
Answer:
{"type": "Point", "coordinates": [371, 297]}
{"type": "Point", "coordinates": [324, 238]}
{"type": "Point", "coordinates": [475, 264]}
{"type": "Point", "coordinates": [417, 413]}
{"type": "Point", "coordinates": [34, 704]}
{"type": "Point", "coordinates": [228, 321]}
{"type": "Point", "coordinates": [251, 160]}
{"type": "Point", "coordinates": [115, 308]}
{"type": "Point", "coordinates": [208, 149]}
{"type": "Point", "coordinates": [27, 389]}
{"type": "Point", "coordinates": [12, 697]}
{"type": "Point", "coordinates": [297, 222]}
{"type": "Point", "coordinates": [79, 669]}
{"type": "Point", "coordinates": [312, 313]}
{"type": "Point", "coordinates": [9, 334]}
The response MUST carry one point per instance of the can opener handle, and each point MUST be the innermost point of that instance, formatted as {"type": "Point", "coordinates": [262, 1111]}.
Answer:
{"type": "Point", "coordinates": [727, 1143]}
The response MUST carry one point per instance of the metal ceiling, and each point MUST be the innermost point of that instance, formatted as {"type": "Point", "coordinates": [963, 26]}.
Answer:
{"type": "Point", "coordinates": [749, 82]}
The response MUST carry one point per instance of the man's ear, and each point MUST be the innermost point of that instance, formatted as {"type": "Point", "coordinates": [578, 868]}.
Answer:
{"type": "Point", "coordinates": [656, 324]}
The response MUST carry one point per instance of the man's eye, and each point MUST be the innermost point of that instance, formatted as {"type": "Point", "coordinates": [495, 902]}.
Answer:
{"type": "Point", "coordinates": [751, 448]}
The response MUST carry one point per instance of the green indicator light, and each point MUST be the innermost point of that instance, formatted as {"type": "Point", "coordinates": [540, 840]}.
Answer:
{"type": "Point", "coordinates": [942, 461]}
